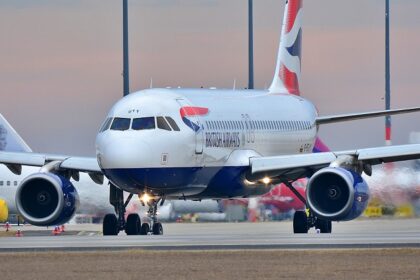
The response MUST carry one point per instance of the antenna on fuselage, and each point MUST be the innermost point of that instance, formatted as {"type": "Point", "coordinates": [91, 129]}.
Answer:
{"type": "Point", "coordinates": [387, 76]}
{"type": "Point", "coordinates": [250, 46]}
{"type": "Point", "coordinates": [126, 82]}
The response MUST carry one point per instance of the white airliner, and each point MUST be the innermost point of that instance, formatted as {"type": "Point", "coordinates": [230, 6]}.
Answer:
{"type": "Point", "coordinates": [198, 143]}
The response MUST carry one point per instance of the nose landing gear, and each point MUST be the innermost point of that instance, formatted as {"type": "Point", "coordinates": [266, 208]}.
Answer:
{"type": "Point", "coordinates": [112, 224]}
{"type": "Point", "coordinates": [156, 227]}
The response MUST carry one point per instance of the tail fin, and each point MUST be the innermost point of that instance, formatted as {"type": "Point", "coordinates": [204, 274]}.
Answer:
{"type": "Point", "coordinates": [9, 139]}
{"type": "Point", "coordinates": [287, 75]}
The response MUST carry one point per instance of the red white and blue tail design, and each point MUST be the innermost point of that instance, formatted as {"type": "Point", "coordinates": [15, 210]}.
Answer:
{"type": "Point", "coordinates": [288, 69]}
{"type": "Point", "coordinates": [188, 112]}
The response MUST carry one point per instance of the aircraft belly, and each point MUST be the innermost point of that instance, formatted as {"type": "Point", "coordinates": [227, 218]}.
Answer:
{"type": "Point", "coordinates": [192, 182]}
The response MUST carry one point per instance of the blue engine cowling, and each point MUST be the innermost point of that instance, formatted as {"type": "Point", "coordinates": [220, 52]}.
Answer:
{"type": "Point", "coordinates": [46, 199]}
{"type": "Point", "coordinates": [337, 194]}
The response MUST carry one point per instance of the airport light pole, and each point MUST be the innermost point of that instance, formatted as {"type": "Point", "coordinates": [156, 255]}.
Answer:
{"type": "Point", "coordinates": [250, 46]}
{"type": "Point", "coordinates": [125, 50]}
{"type": "Point", "coordinates": [387, 77]}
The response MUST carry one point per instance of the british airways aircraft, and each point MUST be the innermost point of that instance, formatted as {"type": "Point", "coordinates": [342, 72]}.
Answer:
{"type": "Point", "coordinates": [197, 144]}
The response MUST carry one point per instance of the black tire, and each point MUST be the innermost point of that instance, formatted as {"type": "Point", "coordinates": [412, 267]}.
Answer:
{"type": "Point", "coordinates": [132, 227]}
{"type": "Point", "coordinates": [110, 225]}
{"type": "Point", "coordinates": [300, 222]}
{"type": "Point", "coordinates": [324, 226]}
{"type": "Point", "coordinates": [157, 229]}
{"type": "Point", "coordinates": [145, 228]}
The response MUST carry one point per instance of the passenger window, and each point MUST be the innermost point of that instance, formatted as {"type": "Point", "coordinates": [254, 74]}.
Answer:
{"type": "Point", "coordinates": [15, 183]}
{"type": "Point", "coordinates": [1, 183]}
{"type": "Point", "coordinates": [173, 124]}
{"type": "Point", "coordinates": [120, 124]}
{"type": "Point", "coordinates": [143, 123]}
{"type": "Point", "coordinates": [106, 125]}
{"type": "Point", "coordinates": [8, 183]}
{"type": "Point", "coordinates": [162, 124]}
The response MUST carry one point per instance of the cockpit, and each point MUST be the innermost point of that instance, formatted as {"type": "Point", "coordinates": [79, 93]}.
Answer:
{"type": "Point", "coordinates": [122, 124]}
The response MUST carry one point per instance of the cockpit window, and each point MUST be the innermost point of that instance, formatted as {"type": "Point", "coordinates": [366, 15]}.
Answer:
{"type": "Point", "coordinates": [106, 125]}
{"type": "Point", "coordinates": [143, 123]}
{"type": "Point", "coordinates": [120, 124]}
{"type": "Point", "coordinates": [162, 124]}
{"type": "Point", "coordinates": [172, 123]}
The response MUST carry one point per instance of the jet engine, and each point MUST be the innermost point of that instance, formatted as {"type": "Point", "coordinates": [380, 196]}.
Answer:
{"type": "Point", "coordinates": [46, 199]}
{"type": "Point", "coordinates": [337, 194]}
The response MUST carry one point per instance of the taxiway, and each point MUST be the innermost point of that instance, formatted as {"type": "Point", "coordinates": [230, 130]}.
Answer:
{"type": "Point", "coordinates": [270, 235]}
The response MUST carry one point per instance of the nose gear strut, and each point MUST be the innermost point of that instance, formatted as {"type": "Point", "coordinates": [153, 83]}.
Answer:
{"type": "Point", "coordinates": [112, 224]}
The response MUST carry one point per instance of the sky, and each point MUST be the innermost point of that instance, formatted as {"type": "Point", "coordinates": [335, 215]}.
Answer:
{"type": "Point", "coordinates": [61, 61]}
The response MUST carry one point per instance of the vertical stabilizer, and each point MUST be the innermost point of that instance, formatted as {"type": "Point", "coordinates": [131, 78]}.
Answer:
{"type": "Point", "coordinates": [9, 139]}
{"type": "Point", "coordinates": [288, 68]}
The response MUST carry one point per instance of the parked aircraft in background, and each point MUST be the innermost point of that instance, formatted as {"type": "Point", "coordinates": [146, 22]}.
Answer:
{"type": "Point", "coordinates": [283, 199]}
{"type": "Point", "coordinates": [211, 144]}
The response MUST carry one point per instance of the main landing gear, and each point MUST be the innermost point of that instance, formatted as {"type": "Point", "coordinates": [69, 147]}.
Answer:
{"type": "Point", "coordinates": [302, 221]}
{"type": "Point", "coordinates": [112, 224]}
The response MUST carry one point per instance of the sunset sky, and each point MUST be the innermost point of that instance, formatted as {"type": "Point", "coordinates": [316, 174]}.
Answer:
{"type": "Point", "coordinates": [61, 61]}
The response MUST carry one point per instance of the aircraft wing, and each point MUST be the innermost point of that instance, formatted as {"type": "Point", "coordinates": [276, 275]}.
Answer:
{"type": "Point", "coordinates": [359, 116]}
{"type": "Point", "coordinates": [304, 165]}
{"type": "Point", "coordinates": [15, 160]}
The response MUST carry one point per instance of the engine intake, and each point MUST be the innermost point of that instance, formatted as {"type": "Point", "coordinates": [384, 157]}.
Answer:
{"type": "Point", "coordinates": [46, 199]}
{"type": "Point", "coordinates": [337, 194]}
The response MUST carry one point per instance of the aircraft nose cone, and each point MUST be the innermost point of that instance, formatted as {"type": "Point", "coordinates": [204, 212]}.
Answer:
{"type": "Point", "coordinates": [123, 153]}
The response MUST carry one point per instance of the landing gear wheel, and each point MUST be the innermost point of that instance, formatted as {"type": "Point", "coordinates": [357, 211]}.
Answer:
{"type": "Point", "coordinates": [300, 222]}
{"type": "Point", "coordinates": [145, 228]}
{"type": "Point", "coordinates": [132, 226]}
{"type": "Point", "coordinates": [110, 225]}
{"type": "Point", "coordinates": [157, 229]}
{"type": "Point", "coordinates": [324, 226]}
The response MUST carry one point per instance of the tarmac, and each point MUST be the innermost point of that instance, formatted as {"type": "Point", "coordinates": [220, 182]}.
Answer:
{"type": "Point", "coordinates": [378, 233]}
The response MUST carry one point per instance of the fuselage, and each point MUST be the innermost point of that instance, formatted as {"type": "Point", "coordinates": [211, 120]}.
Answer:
{"type": "Point", "coordinates": [182, 143]}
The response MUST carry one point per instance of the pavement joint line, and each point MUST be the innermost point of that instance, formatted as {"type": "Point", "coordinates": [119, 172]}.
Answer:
{"type": "Point", "coordinates": [183, 247]}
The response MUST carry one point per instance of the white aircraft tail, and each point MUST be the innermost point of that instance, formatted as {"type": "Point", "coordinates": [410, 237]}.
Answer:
{"type": "Point", "coordinates": [10, 140]}
{"type": "Point", "coordinates": [288, 68]}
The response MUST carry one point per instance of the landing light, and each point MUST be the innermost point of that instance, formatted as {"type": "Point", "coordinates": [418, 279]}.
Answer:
{"type": "Point", "coordinates": [266, 180]}
{"type": "Point", "coordinates": [145, 198]}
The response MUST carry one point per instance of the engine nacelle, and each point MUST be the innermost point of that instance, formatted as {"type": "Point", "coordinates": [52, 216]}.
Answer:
{"type": "Point", "coordinates": [46, 199]}
{"type": "Point", "coordinates": [337, 194]}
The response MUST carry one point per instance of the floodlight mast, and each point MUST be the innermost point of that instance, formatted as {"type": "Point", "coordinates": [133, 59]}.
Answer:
{"type": "Point", "coordinates": [387, 76]}
{"type": "Point", "coordinates": [126, 70]}
{"type": "Point", "coordinates": [250, 46]}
